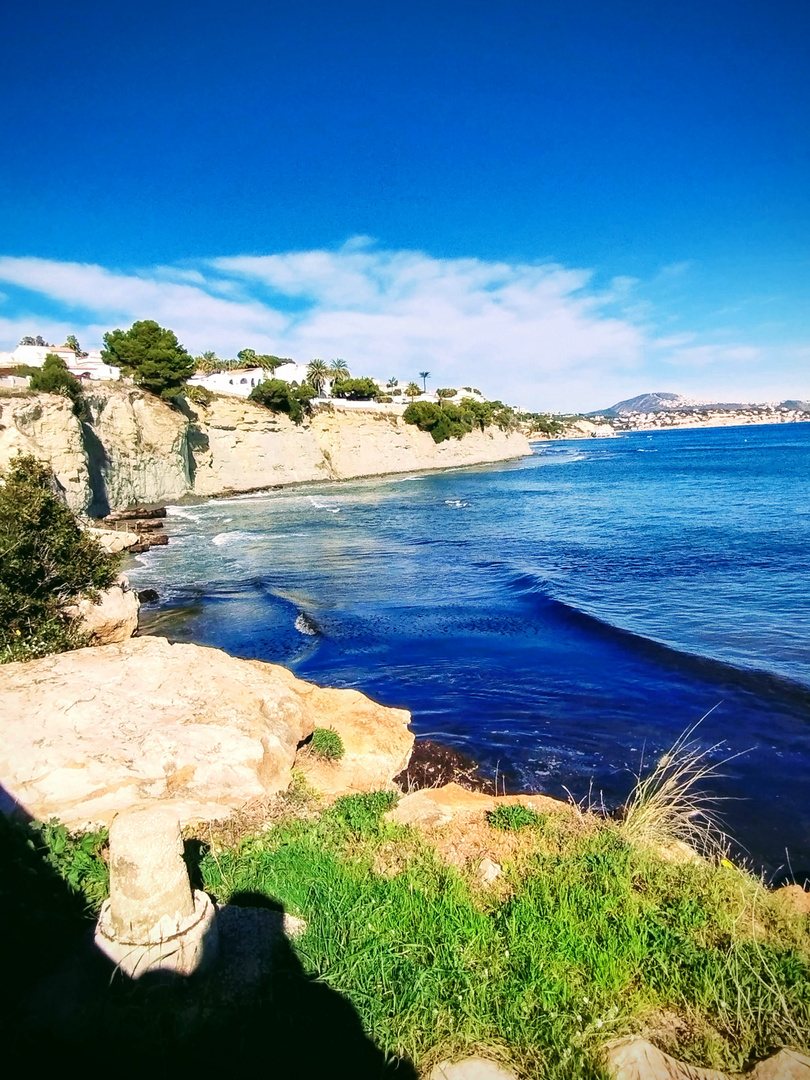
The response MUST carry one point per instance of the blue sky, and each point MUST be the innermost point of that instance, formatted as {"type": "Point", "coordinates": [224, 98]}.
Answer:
{"type": "Point", "coordinates": [561, 203]}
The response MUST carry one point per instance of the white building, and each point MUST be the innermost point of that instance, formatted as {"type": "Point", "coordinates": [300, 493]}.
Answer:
{"type": "Point", "coordinates": [291, 373]}
{"type": "Point", "coordinates": [89, 366]}
{"type": "Point", "coordinates": [240, 381]}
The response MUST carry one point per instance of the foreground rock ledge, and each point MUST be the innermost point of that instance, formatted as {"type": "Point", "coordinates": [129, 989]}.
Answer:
{"type": "Point", "coordinates": [88, 733]}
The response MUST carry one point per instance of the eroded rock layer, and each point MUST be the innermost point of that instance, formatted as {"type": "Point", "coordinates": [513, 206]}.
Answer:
{"type": "Point", "coordinates": [131, 448]}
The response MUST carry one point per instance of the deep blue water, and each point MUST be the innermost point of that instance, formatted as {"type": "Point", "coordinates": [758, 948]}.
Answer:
{"type": "Point", "coordinates": [557, 617]}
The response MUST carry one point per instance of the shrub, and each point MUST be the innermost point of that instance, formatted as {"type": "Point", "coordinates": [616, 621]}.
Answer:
{"type": "Point", "coordinates": [198, 395]}
{"type": "Point", "coordinates": [511, 817]}
{"type": "Point", "coordinates": [452, 421]}
{"type": "Point", "coordinates": [326, 743]}
{"type": "Point", "coordinates": [384, 399]}
{"type": "Point", "coordinates": [279, 396]}
{"type": "Point", "coordinates": [446, 392]}
{"type": "Point", "coordinates": [355, 389]}
{"type": "Point", "coordinates": [54, 378]}
{"type": "Point", "coordinates": [46, 562]}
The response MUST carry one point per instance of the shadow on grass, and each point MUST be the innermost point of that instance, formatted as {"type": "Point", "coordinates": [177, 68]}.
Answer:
{"type": "Point", "coordinates": [253, 1008]}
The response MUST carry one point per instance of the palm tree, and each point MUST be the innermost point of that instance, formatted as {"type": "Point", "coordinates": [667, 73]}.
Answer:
{"type": "Point", "coordinates": [340, 369]}
{"type": "Point", "coordinates": [412, 390]}
{"type": "Point", "coordinates": [318, 374]}
{"type": "Point", "coordinates": [392, 382]}
{"type": "Point", "coordinates": [424, 376]}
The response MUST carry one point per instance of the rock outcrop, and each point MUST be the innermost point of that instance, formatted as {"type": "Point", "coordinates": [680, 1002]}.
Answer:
{"type": "Point", "coordinates": [110, 619]}
{"type": "Point", "coordinates": [46, 427]}
{"type": "Point", "coordinates": [91, 732]}
{"type": "Point", "coordinates": [433, 807]}
{"type": "Point", "coordinates": [637, 1059]}
{"type": "Point", "coordinates": [377, 744]}
{"type": "Point", "coordinates": [134, 448]}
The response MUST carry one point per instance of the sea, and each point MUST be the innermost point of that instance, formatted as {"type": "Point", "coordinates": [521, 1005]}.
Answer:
{"type": "Point", "coordinates": [563, 618]}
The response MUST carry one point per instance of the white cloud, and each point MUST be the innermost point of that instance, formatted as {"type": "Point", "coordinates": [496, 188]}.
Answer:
{"type": "Point", "coordinates": [540, 335]}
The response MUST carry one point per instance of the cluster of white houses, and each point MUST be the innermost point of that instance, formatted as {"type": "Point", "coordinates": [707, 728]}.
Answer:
{"type": "Point", "coordinates": [239, 381]}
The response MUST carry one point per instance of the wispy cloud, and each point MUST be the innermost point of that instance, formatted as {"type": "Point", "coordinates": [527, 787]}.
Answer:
{"type": "Point", "coordinates": [541, 335]}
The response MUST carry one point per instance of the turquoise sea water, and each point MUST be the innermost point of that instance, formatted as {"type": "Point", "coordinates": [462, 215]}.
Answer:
{"type": "Point", "coordinates": [559, 617]}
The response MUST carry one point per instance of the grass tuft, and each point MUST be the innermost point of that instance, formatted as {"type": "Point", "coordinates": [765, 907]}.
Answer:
{"type": "Point", "coordinates": [511, 818]}
{"type": "Point", "coordinates": [668, 806]}
{"type": "Point", "coordinates": [326, 743]}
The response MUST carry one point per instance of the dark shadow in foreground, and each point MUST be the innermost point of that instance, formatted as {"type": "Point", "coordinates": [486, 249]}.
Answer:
{"type": "Point", "coordinates": [253, 1007]}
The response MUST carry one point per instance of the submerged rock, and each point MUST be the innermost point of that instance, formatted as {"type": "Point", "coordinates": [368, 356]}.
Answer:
{"type": "Point", "coordinates": [88, 733]}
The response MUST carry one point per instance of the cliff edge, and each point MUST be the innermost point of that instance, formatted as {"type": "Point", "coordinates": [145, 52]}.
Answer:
{"type": "Point", "coordinates": [129, 447]}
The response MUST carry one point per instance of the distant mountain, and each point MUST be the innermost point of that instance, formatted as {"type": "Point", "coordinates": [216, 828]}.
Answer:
{"type": "Point", "coordinates": [647, 403]}
{"type": "Point", "coordinates": [653, 403]}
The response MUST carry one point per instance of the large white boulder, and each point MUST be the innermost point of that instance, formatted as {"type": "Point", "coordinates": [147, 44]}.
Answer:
{"type": "Point", "coordinates": [112, 618]}
{"type": "Point", "coordinates": [90, 732]}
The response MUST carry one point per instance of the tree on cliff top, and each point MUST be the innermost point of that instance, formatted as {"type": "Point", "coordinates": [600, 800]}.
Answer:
{"type": "Point", "coordinates": [152, 355]}
{"type": "Point", "coordinates": [46, 561]}
{"type": "Point", "coordinates": [54, 378]}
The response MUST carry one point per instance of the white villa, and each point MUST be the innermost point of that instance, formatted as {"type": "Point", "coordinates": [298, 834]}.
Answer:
{"type": "Point", "coordinates": [240, 381]}
{"type": "Point", "coordinates": [89, 366]}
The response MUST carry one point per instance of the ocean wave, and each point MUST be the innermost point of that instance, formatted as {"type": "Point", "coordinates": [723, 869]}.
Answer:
{"type": "Point", "coordinates": [313, 500]}
{"type": "Point", "coordinates": [538, 592]}
{"type": "Point", "coordinates": [457, 504]}
{"type": "Point", "coordinates": [227, 538]}
{"type": "Point", "coordinates": [182, 512]}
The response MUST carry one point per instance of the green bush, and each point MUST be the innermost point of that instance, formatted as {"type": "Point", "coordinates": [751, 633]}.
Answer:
{"type": "Point", "coordinates": [46, 562]}
{"type": "Point", "coordinates": [279, 396]}
{"type": "Point", "coordinates": [355, 389]}
{"type": "Point", "coordinates": [152, 355]}
{"type": "Point", "coordinates": [447, 421]}
{"type": "Point", "coordinates": [326, 743]}
{"type": "Point", "coordinates": [510, 818]}
{"type": "Point", "coordinates": [54, 378]}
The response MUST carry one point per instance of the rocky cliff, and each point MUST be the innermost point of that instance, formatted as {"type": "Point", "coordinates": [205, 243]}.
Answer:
{"type": "Point", "coordinates": [133, 448]}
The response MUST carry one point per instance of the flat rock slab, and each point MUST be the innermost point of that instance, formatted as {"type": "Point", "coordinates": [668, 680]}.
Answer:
{"type": "Point", "coordinates": [638, 1059]}
{"type": "Point", "coordinates": [434, 807]}
{"type": "Point", "coordinates": [87, 733]}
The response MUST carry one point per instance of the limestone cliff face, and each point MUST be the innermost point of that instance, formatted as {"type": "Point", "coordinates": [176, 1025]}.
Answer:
{"type": "Point", "coordinates": [137, 446]}
{"type": "Point", "coordinates": [46, 427]}
{"type": "Point", "coordinates": [238, 446]}
{"type": "Point", "coordinates": [367, 443]}
{"type": "Point", "coordinates": [133, 448]}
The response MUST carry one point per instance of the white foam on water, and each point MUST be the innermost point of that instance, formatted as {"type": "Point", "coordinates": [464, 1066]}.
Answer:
{"type": "Point", "coordinates": [457, 504]}
{"type": "Point", "coordinates": [223, 538]}
{"type": "Point", "coordinates": [323, 506]}
{"type": "Point", "coordinates": [304, 625]}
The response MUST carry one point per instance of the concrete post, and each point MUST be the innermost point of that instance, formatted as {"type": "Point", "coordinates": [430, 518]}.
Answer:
{"type": "Point", "coordinates": [153, 921]}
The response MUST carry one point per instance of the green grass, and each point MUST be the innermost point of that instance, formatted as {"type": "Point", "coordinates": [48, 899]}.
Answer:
{"type": "Point", "coordinates": [588, 939]}
{"type": "Point", "coordinates": [326, 743]}
{"type": "Point", "coordinates": [511, 818]}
